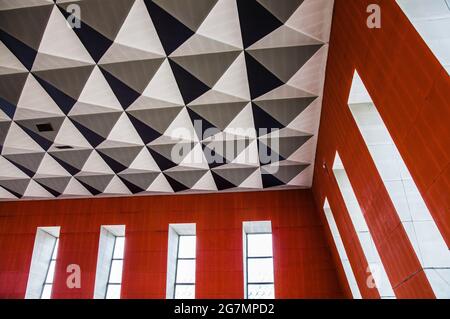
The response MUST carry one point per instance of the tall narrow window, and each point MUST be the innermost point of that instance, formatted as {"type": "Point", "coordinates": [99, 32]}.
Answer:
{"type": "Point", "coordinates": [43, 263]}
{"type": "Point", "coordinates": [108, 280]}
{"type": "Point", "coordinates": [431, 18]}
{"type": "Point", "coordinates": [258, 260]}
{"type": "Point", "coordinates": [342, 252]}
{"type": "Point", "coordinates": [181, 262]}
{"type": "Point", "coordinates": [48, 284]}
{"type": "Point", "coordinates": [422, 231]}
{"type": "Point", "coordinates": [376, 268]}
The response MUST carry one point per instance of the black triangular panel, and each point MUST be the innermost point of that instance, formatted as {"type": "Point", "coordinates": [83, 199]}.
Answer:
{"type": "Point", "coordinates": [264, 122]}
{"type": "Point", "coordinates": [115, 165]}
{"type": "Point", "coordinates": [270, 181]}
{"type": "Point", "coordinates": [221, 182]}
{"type": "Point", "coordinates": [7, 107]}
{"type": "Point", "coordinates": [72, 170]}
{"type": "Point", "coordinates": [203, 128]}
{"type": "Point", "coordinates": [260, 79]}
{"type": "Point", "coordinates": [43, 142]}
{"type": "Point", "coordinates": [23, 52]}
{"type": "Point", "coordinates": [64, 101]}
{"type": "Point", "coordinates": [93, 138]}
{"type": "Point", "coordinates": [96, 43]}
{"type": "Point", "coordinates": [267, 155]}
{"type": "Point", "coordinates": [4, 127]}
{"type": "Point", "coordinates": [48, 189]}
{"type": "Point", "coordinates": [11, 191]}
{"type": "Point", "coordinates": [28, 163]}
{"type": "Point", "coordinates": [11, 86]}
{"type": "Point", "coordinates": [214, 160]}
{"type": "Point", "coordinates": [27, 171]}
{"type": "Point", "coordinates": [133, 188]}
{"type": "Point", "coordinates": [146, 133]}
{"type": "Point", "coordinates": [190, 87]}
{"type": "Point", "coordinates": [91, 189]}
{"type": "Point", "coordinates": [172, 32]}
{"type": "Point", "coordinates": [163, 163]}
{"type": "Point", "coordinates": [176, 185]}
{"type": "Point", "coordinates": [256, 21]}
{"type": "Point", "coordinates": [123, 92]}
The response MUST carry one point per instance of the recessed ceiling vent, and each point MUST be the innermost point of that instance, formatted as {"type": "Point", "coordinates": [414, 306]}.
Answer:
{"type": "Point", "coordinates": [44, 127]}
{"type": "Point", "coordinates": [64, 147]}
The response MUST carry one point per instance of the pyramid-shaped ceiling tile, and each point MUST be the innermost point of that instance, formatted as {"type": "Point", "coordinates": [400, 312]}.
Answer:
{"type": "Point", "coordinates": [159, 96]}
{"type": "Point", "coordinates": [285, 62]}
{"type": "Point", "coordinates": [189, 12]}
{"type": "Point", "coordinates": [285, 110]}
{"type": "Point", "coordinates": [135, 74]}
{"type": "Point", "coordinates": [208, 68]}
{"type": "Point", "coordinates": [256, 21]}
{"type": "Point", "coordinates": [282, 9]}
{"type": "Point", "coordinates": [220, 114]}
{"type": "Point", "coordinates": [187, 177]}
{"type": "Point", "coordinates": [106, 17]}
{"type": "Point", "coordinates": [26, 24]}
{"type": "Point", "coordinates": [11, 86]}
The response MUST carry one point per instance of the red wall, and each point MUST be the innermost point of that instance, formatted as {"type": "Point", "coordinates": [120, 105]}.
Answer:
{"type": "Point", "coordinates": [412, 93]}
{"type": "Point", "coordinates": [304, 267]}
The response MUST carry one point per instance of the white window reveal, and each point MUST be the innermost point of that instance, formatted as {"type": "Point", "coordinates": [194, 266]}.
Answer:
{"type": "Point", "coordinates": [376, 269]}
{"type": "Point", "coordinates": [258, 260]}
{"type": "Point", "coordinates": [43, 263]}
{"type": "Point", "coordinates": [422, 231]}
{"type": "Point", "coordinates": [181, 261]}
{"type": "Point", "coordinates": [111, 249]}
{"type": "Point", "coordinates": [341, 250]}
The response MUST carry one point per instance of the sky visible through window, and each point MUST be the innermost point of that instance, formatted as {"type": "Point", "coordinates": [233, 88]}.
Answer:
{"type": "Point", "coordinates": [260, 277]}
{"type": "Point", "coordinates": [185, 271]}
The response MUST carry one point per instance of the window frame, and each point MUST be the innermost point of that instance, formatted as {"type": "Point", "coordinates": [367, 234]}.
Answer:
{"type": "Point", "coordinates": [247, 257]}
{"type": "Point", "coordinates": [183, 258]}
{"type": "Point", "coordinates": [52, 260]}
{"type": "Point", "coordinates": [109, 283]}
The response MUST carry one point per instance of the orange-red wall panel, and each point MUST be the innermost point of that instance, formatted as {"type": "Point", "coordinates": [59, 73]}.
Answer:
{"type": "Point", "coordinates": [304, 267]}
{"type": "Point", "coordinates": [412, 93]}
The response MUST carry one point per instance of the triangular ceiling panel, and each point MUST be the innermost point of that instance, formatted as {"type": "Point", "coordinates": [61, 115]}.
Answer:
{"type": "Point", "coordinates": [159, 96]}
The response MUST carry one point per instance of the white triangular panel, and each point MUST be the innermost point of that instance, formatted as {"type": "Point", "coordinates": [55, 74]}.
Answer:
{"type": "Point", "coordinates": [34, 102]}
{"type": "Point", "coordinates": [34, 190]}
{"type": "Point", "coordinates": [19, 142]}
{"type": "Point", "coordinates": [163, 86]}
{"type": "Point", "coordinates": [234, 81]}
{"type": "Point", "coordinates": [123, 131]}
{"type": "Point", "coordinates": [98, 92]}
{"type": "Point", "coordinates": [10, 171]}
{"type": "Point", "coordinates": [59, 40]}
{"type": "Point", "coordinates": [95, 164]}
{"type": "Point", "coordinates": [222, 24]}
{"type": "Point", "coordinates": [116, 186]}
{"type": "Point", "coordinates": [70, 136]}
{"type": "Point", "coordinates": [75, 188]}
{"type": "Point", "coordinates": [253, 181]}
{"type": "Point", "coordinates": [160, 184]}
{"type": "Point", "coordinates": [145, 161]}
{"type": "Point", "coordinates": [313, 17]}
{"type": "Point", "coordinates": [139, 32]}
{"type": "Point", "coordinates": [9, 64]}
{"type": "Point", "coordinates": [311, 76]}
{"type": "Point", "coordinates": [206, 183]}
{"type": "Point", "coordinates": [50, 167]}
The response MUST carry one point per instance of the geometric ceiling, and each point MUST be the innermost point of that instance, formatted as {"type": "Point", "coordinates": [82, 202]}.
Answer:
{"type": "Point", "coordinates": [162, 96]}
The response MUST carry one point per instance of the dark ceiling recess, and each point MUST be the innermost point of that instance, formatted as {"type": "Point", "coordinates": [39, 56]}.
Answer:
{"type": "Point", "coordinates": [64, 147]}
{"type": "Point", "coordinates": [44, 127]}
